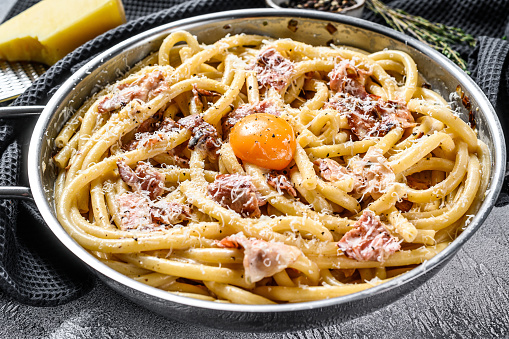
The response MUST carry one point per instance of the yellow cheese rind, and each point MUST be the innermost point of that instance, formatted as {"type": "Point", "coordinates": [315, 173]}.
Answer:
{"type": "Point", "coordinates": [49, 30]}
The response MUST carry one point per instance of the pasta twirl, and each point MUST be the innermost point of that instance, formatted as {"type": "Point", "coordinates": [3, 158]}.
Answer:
{"type": "Point", "coordinates": [264, 171]}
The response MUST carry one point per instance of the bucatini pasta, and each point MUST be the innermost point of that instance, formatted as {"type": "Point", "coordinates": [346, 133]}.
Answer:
{"type": "Point", "coordinates": [262, 171]}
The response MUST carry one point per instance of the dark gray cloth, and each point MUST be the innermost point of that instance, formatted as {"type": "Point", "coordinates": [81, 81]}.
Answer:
{"type": "Point", "coordinates": [35, 271]}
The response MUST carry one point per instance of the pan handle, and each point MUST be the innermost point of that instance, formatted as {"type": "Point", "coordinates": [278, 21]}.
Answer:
{"type": "Point", "coordinates": [15, 192]}
{"type": "Point", "coordinates": [20, 111]}
{"type": "Point", "coordinates": [18, 192]}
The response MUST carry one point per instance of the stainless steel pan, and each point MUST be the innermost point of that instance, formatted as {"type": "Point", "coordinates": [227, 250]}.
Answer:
{"type": "Point", "coordinates": [307, 26]}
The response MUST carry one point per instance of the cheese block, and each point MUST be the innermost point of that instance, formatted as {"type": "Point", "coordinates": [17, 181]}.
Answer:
{"type": "Point", "coordinates": [49, 30]}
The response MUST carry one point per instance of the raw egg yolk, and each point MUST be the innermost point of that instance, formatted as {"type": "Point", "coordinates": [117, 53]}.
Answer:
{"type": "Point", "coordinates": [264, 140]}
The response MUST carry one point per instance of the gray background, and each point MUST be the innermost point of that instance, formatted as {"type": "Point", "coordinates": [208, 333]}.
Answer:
{"type": "Point", "coordinates": [468, 298]}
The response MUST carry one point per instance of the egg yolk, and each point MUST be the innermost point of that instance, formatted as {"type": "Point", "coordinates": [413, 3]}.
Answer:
{"type": "Point", "coordinates": [264, 140]}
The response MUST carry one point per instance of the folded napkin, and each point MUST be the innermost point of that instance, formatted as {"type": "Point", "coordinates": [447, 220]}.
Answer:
{"type": "Point", "coordinates": [35, 270]}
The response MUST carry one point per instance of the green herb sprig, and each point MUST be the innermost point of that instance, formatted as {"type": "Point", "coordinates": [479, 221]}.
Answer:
{"type": "Point", "coordinates": [436, 35]}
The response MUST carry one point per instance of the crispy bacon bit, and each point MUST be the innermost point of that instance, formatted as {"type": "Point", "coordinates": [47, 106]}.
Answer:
{"type": "Point", "coordinates": [147, 87]}
{"type": "Point", "coordinates": [371, 116]}
{"type": "Point", "coordinates": [134, 211]}
{"type": "Point", "coordinates": [347, 78]}
{"type": "Point", "coordinates": [229, 243]}
{"type": "Point", "coordinates": [199, 92]}
{"type": "Point", "coordinates": [273, 70]}
{"type": "Point", "coordinates": [331, 170]}
{"type": "Point", "coordinates": [391, 110]}
{"type": "Point", "coordinates": [177, 152]}
{"type": "Point", "coordinates": [265, 106]}
{"type": "Point", "coordinates": [204, 135]}
{"type": "Point", "coordinates": [145, 180]}
{"type": "Point", "coordinates": [151, 124]}
{"type": "Point", "coordinates": [404, 205]}
{"type": "Point", "coordinates": [373, 174]}
{"type": "Point", "coordinates": [417, 184]}
{"type": "Point", "coordinates": [138, 213]}
{"type": "Point", "coordinates": [169, 213]}
{"type": "Point", "coordinates": [203, 92]}
{"type": "Point", "coordinates": [369, 240]}
{"type": "Point", "coordinates": [237, 192]}
{"type": "Point", "coordinates": [154, 132]}
{"type": "Point", "coordinates": [261, 258]}
{"type": "Point", "coordinates": [280, 182]}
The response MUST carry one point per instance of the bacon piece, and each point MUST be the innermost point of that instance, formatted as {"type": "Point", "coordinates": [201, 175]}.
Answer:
{"type": "Point", "coordinates": [361, 114]}
{"type": "Point", "coordinates": [280, 182]}
{"type": "Point", "coordinates": [134, 211]}
{"type": "Point", "coordinates": [138, 213]}
{"type": "Point", "coordinates": [237, 192]}
{"type": "Point", "coordinates": [417, 184]}
{"type": "Point", "coordinates": [151, 124]}
{"type": "Point", "coordinates": [177, 155]}
{"type": "Point", "coordinates": [373, 173]}
{"type": "Point", "coordinates": [331, 170]}
{"type": "Point", "coordinates": [371, 116]}
{"type": "Point", "coordinates": [369, 240]}
{"type": "Point", "coordinates": [198, 92]}
{"type": "Point", "coordinates": [229, 243]}
{"type": "Point", "coordinates": [144, 180]}
{"type": "Point", "coordinates": [204, 135]}
{"type": "Point", "coordinates": [169, 213]}
{"type": "Point", "coordinates": [153, 132]}
{"type": "Point", "coordinates": [147, 87]}
{"type": "Point", "coordinates": [273, 70]}
{"type": "Point", "coordinates": [347, 78]}
{"type": "Point", "coordinates": [395, 111]}
{"type": "Point", "coordinates": [404, 205]}
{"type": "Point", "coordinates": [265, 106]}
{"type": "Point", "coordinates": [261, 258]}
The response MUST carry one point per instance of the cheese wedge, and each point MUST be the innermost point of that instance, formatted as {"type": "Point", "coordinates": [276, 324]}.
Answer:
{"type": "Point", "coordinates": [49, 30]}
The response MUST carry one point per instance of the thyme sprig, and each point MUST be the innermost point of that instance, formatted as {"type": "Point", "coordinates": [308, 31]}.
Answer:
{"type": "Point", "coordinates": [436, 35]}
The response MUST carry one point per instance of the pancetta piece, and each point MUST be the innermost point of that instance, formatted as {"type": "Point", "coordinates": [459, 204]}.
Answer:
{"type": "Point", "coordinates": [417, 183]}
{"type": "Point", "coordinates": [237, 192]}
{"type": "Point", "coordinates": [371, 116]}
{"type": "Point", "coordinates": [281, 183]}
{"type": "Point", "coordinates": [395, 111]}
{"type": "Point", "coordinates": [265, 106]}
{"type": "Point", "coordinates": [331, 170]}
{"type": "Point", "coordinates": [139, 213]}
{"type": "Point", "coordinates": [273, 70]}
{"type": "Point", "coordinates": [151, 124]}
{"type": "Point", "coordinates": [404, 205]}
{"type": "Point", "coordinates": [145, 180]}
{"type": "Point", "coordinates": [372, 173]}
{"type": "Point", "coordinates": [152, 132]}
{"type": "Point", "coordinates": [204, 135]}
{"type": "Point", "coordinates": [169, 213]}
{"type": "Point", "coordinates": [261, 258]}
{"type": "Point", "coordinates": [369, 240]}
{"type": "Point", "coordinates": [147, 87]}
{"type": "Point", "coordinates": [134, 211]}
{"type": "Point", "coordinates": [347, 78]}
